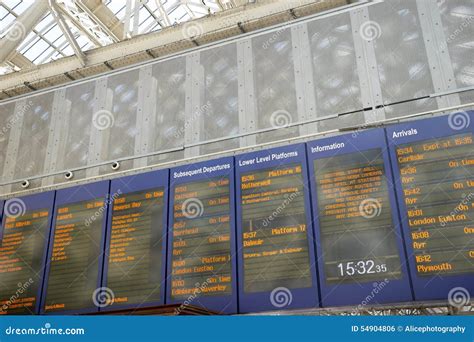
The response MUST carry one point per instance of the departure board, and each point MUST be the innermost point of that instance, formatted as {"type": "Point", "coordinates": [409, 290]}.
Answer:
{"type": "Point", "coordinates": [437, 177]}
{"type": "Point", "coordinates": [24, 237]}
{"type": "Point", "coordinates": [75, 254]}
{"type": "Point", "coordinates": [275, 228]}
{"type": "Point", "coordinates": [134, 270]}
{"type": "Point", "coordinates": [355, 219]}
{"type": "Point", "coordinates": [358, 234]}
{"type": "Point", "coordinates": [434, 165]}
{"type": "Point", "coordinates": [201, 235]}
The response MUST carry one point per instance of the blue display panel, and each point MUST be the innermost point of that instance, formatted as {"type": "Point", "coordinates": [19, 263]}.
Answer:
{"type": "Point", "coordinates": [75, 254]}
{"type": "Point", "coordinates": [24, 239]}
{"type": "Point", "coordinates": [135, 255]}
{"type": "Point", "coordinates": [277, 264]}
{"type": "Point", "coordinates": [359, 240]}
{"type": "Point", "coordinates": [433, 163]}
{"type": "Point", "coordinates": [202, 267]}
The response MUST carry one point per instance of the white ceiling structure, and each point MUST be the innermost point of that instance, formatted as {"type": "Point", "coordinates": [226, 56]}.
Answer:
{"type": "Point", "coordinates": [50, 30]}
{"type": "Point", "coordinates": [45, 43]}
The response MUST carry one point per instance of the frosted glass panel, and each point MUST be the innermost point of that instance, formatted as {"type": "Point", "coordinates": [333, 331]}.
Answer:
{"type": "Point", "coordinates": [274, 78]}
{"type": "Point", "coordinates": [34, 133]}
{"type": "Point", "coordinates": [169, 103]}
{"type": "Point", "coordinates": [220, 105]}
{"type": "Point", "coordinates": [7, 120]}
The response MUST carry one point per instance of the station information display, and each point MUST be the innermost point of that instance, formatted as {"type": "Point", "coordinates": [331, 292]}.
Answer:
{"type": "Point", "coordinates": [134, 269]}
{"type": "Point", "coordinates": [24, 237]}
{"type": "Point", "coordinates": [275, 236]}
{"type": "Point", "coordinates": [356, 219]}
{"type": "Point", "coordinates": [202, 236]}
{"type": "Point", "coordinates": [433, 162]}
{"type": "Point", "coordinates": [76, 247]}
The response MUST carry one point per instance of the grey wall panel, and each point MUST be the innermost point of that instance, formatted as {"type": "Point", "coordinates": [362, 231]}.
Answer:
{"type": "Point", "coordinates": [219, 109]}
{"type": "Point", "coordinates": [336, 80]}
{"type": "Point", "coordinates": [274, 80]}
{"type": "Point", "coordinates": [7, 120]}
{"type": "Point", "coordinates": [400, 51]}
{"type": "Point", "coordinates": [34, 133]}
{"type": "Point", "coordinates": [78, 111]}
{"type": "Point", "coordinates": [458, 23]}
{"type": "Point", "coordinates": [401, 109]}
{"type": "Point", "coordinates": [122, 98]}
{"type": "Point", "coordinates": [169, 102]}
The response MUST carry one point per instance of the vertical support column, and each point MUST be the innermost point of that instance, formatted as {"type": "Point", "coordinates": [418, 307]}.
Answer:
{"type": "Point", "coordinates": [247, 105]}
{"type": "Point", "coordinates": [193, 120]}
{"type": "Point", "coordinates": [370, 88]}
{"type": "Point", "coordinates": [439, 60]}
{"type": "Point", "coordinates": [146, 115]}
{"type": "Point", "coordinates": [21, 107]}
{"type": "Point", "coordinates": [305, 93]}
{"type": "Point", "coordinates": [96, 141]}
{"type": "Point", "coordinates": [57, 134]}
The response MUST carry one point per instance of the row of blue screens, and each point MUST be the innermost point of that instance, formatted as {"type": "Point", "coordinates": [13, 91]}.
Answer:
{"type": "Point", "coordinates": [372, 217]}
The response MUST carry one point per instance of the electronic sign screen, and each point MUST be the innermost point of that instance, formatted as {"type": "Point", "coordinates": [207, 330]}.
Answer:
{"type": "Point", "coordinates": [433, 162]}
{"type": "Point", "coordinates": [277, 262]}
{"type": "Point", "coordinates": [356, 216]}
{"type": "Point", "coordinates": [75, 252]}
{"type": "Point", "coordinates": [134, 270]}
{"type": "Point", "coordinates": [202, 236]}
{"type": "Point", "coordinates": [24, 237]}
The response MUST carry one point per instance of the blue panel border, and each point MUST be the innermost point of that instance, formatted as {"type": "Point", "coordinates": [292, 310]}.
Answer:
{"type": "Point", "coordinates": [394, 290]}
{"type": "Point", "coordinates": [301, 297]}
{"type": "Point", "coordinates": [69, 196]}
{"type": "Point", "coordinates": [140, 182]}
{"type": "Point", "coordinates": [425, 287]}
{"type": "Point", "coordinates": [222, 304]}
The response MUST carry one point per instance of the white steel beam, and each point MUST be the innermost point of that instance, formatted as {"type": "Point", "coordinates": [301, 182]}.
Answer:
{"type": "Point", "coordinates": [21, 27]}
{"type": "Point", "coordinates": [103, 17]}
{"type": "Point", "coordinates": [67, 32]}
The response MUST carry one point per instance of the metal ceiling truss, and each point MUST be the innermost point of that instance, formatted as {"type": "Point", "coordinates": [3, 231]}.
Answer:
{"type": "Point", "coordinates": [98, 35]}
